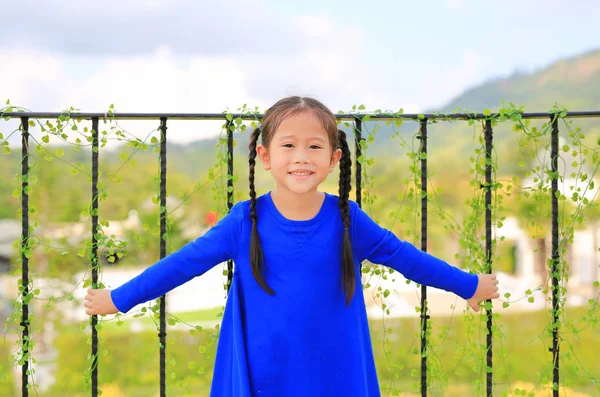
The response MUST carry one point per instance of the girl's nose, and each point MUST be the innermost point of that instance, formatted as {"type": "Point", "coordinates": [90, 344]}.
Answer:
{"type": "Point", "coordinates": [301, 156]}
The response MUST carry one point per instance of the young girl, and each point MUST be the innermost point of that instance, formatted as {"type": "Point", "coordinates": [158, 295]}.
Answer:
{"type": "Point", "coordinates": [295, 322]}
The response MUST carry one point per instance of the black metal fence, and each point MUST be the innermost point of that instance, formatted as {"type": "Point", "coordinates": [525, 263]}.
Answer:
{"type": "Point", "coordinates": [357, 119]}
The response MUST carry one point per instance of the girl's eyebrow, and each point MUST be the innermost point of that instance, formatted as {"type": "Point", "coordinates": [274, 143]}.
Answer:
{"type": "Point", "coordinates": [288, 137]}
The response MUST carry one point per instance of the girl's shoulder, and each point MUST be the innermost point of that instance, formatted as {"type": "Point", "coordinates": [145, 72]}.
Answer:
{"type": "Point", "coordinates": [241, 209]}
{"type": "Point", "coordinates": [336, 199]}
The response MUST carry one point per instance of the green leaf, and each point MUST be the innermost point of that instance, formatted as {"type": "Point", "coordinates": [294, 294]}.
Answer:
{"type": "Point", "coordinates": [60, 152]}
{"type": "Point", "coordinates": [487, 112]}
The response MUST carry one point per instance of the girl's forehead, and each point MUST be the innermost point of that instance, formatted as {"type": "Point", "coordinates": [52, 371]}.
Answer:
{"type": "Point", "coordinates": [302, 124]}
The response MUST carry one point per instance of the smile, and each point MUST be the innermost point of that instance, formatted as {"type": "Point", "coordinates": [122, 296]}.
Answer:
{"type": "Point", "coordinates": [301, 173]}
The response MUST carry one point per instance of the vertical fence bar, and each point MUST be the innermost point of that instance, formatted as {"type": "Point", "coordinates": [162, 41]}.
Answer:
{"type": "Point", "coordinates": [162, 335]}
{"type": "Point", "coordinates": [488, 246]}
{"type": "Point", "coordinates": [555, 255]}
{"type": "Point", "coordinates": [24, 255]}
{"type": "Point", "coordinates": [424, 316]}
{"type": "Point", "coordinates": [94, 253]}
{"type": "Point", "coordinates": [358, 152]}
{"type": "Point", "coordinates": [230, 128]}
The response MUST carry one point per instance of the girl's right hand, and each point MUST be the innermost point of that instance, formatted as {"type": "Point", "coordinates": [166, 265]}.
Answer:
{"type": "Point", "coordinates": [98, 301]}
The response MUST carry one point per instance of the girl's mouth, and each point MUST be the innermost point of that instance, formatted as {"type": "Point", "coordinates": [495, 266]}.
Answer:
{"type": "Point", "coordinates": [301, 174]}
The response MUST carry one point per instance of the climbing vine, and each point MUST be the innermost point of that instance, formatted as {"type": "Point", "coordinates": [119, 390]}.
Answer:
{"type": "Point", "coordinates": [527, 194]}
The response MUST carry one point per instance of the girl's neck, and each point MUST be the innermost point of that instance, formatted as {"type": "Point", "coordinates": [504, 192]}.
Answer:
{"type": "Point", "coordinates": [297, 207]}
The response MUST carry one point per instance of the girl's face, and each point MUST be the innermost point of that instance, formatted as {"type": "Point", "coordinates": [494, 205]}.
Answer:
{"type": "Point", "coordinates": [299, 155]}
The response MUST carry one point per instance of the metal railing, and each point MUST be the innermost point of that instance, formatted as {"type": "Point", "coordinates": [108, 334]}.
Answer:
{"type": "Point", "coordinates": [357, 119]}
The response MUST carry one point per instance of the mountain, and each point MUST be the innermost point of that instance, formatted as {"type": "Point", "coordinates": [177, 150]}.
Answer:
{"type": "Point", "coordinates": [573, 83]}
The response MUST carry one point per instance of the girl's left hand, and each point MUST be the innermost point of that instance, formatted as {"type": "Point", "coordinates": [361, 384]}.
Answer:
{"type": "Point", "coordinates": [99, 302]}
{"type": "Point", "coordinates": [487, 288]}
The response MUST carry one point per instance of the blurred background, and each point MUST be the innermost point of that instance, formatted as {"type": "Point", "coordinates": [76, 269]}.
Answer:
{"type": "Point", "coordinates": [241, 56]}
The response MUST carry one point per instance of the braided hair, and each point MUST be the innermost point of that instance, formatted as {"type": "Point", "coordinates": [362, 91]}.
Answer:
{"type": "Point", "coordinates": [348, 272]}
{"type": "Point", "coordinates": [256, 255]}
{"type": "Point", "coordinates": [284, 108]}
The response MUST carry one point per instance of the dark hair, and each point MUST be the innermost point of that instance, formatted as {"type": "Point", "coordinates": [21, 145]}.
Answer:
{"type": "Point", "coordinates": [280, 111]}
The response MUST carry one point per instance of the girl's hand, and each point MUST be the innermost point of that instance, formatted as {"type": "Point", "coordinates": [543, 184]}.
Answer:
{"type": "Point", "coordinates": [487, 288]}
{"type": "Point", "coordinates": [98, 301]}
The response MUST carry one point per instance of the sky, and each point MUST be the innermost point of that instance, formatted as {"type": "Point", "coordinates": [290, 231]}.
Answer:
{"type": "Point", "coordinates": [209, 56]}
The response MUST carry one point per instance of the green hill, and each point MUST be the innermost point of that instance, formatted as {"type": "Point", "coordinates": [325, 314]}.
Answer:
{"type": "Point", "coordinates": [573, 83]}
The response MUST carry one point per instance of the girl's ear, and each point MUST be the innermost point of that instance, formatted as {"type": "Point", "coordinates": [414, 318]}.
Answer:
{"type": "Point", "coordinates": [335, 158]}
{"type": "Point", "coordinates": [263, 154]}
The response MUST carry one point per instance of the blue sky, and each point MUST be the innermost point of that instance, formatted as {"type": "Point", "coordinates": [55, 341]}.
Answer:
{"type": "Point", "coordinates": [190, 56]}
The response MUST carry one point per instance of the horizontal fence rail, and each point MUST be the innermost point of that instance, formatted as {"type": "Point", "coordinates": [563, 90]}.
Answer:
{"type": "Point", "coordinates": [358, 120]}
{"type": "Point", "coordinates": [243, 116]}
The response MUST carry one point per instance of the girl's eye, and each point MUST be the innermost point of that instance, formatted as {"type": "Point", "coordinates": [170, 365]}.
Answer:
{"type": "Point", "coordinates": [315, 147]}
{"type": "Point", "coordinates": [288, 145]}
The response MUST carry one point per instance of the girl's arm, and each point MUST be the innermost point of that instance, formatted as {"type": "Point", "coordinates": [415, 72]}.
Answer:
{"type": "Point", "coordinates": [194, 259]}
{"type": "Point", "coordinates": [379, 245]}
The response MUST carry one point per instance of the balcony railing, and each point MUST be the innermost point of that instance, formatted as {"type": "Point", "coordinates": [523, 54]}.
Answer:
{"type": "Point", "coordinates": [357, 121]}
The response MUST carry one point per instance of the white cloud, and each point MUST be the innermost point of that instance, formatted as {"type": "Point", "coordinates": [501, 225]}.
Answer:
{"type": "Point", "coordinates": [323, 65]}
{"type": "Point", "coordinates": [311, 55]}
{"type": "Point", "coordinates": [156, 83]}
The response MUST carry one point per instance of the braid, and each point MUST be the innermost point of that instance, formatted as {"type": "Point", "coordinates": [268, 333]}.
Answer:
{"type": "Point", "coordinates": [348, 272]}
{"type": "Point", "coordinates": [256, 255]}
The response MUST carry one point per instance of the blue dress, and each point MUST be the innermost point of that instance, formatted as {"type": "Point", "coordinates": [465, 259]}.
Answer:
{"type": "Point", "coordinates": [304, 340]}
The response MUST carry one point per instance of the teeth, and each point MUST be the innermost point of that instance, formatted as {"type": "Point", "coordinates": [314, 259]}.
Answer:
{"type": "Point", "coordinates": [301, 173]}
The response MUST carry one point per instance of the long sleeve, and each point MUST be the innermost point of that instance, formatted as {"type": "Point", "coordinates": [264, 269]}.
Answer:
{"type": "Point", "coordinates": [194, 259]}
{"type": "Point", "coordinates": [380, 246]}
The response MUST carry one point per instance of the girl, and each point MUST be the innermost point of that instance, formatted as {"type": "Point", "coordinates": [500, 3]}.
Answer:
{"type": "Point", "coordinates": [295, 322]}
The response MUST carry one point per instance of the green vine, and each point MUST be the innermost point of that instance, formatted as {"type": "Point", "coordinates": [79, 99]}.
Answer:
{"type": "Point", "coordinates": [526, 193]}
